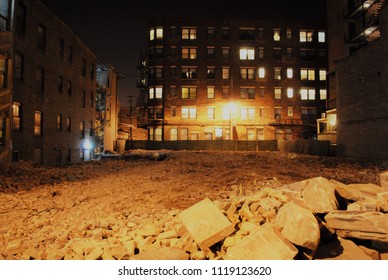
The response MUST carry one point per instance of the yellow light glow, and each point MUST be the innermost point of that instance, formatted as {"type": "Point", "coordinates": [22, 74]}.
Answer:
{"type": "Point", "coordinates": [261, 72]}
{"type": "Point", "coordinates": [332, 119]}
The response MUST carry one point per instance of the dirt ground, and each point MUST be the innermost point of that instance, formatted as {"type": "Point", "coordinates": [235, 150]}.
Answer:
{"type": "Point", "coordinates": [38, 204]}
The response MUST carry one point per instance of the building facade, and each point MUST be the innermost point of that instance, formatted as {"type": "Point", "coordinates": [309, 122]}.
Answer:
{"type": "Point", "coordinates": [232, 79]}
{"type": "Point", "coordinates": [54, 87]}
{"type": "Point", "coordinates": [358, 40]}
{"type": "Point", "coordinates": [107, 109]}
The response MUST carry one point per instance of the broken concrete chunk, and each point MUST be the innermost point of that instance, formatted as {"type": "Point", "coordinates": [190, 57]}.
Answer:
{"type": "Point", "coordinates": [298, 225]}
{"type": "Point", "coordinates": [266, 243]}
{"type": "Point", "coordinates": [357, 192]}
{"type": "Point", "coordinates": [206, 223]}
{"type": "Point", "coordinates": [319, 196]}
{"type": "Point", "coordinates": [361, 225]}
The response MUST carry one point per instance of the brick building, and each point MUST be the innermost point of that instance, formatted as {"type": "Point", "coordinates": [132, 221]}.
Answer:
{"type": "Point", "coordinates": [357, 88]}
{"type": "Point", "coordinates": [208, 79]}
{"type": "Point", "coordinates": [54, 87]}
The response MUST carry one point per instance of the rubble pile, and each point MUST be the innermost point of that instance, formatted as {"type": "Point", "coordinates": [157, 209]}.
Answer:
{"type": "Point", "coordinates": [311, 219]}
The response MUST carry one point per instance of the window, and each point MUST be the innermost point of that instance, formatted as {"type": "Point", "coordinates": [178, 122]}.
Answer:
{"type": "Point", "coordinates": [307, 74]}
{"type": "Point", "coordinates": [290, 92]}
{"type": "Point", "coordinates": [184, 134]}
{"type": "Point", "coordinates": [156, 73]}
{"type": "Point", "coordinates": [59, 122]}
{"type": "Point", "coordinates": [173, 31]}
{"type": "Point", "coordinates": [173, 134]}
{"type": "Point", "coordinates": [173, 111]}
{"type": "Point", "coordinates": [278, 113]}
{"type": "Point", "coordinates": [38, 123]}
{"type": "Point", "coordinates": [307, 94]}
{"type": "Point", "coordinates": [83, 67]}
{"type": "Point", "coordinates": [290, 73]}
{"type": "Point", "coordinates": [277, 53]}
{"type": "Point", "coordinates": [322, 75]}
{"type": "Point", "coordinates": [225, 33]}
{"type": "Point", "coordinates": [247, 53]}
{"type": "Point", "coordinates": [173, 52]}
{"type": "Point", "coordinates": [261, 33]}
{"type": "Point", "coordinates": [278, 93]}
{"type": "Point", "coordinates": [289, 53]}
{"type": "Point", "coordinates": [210, 32]}
{"type": "Point", "coordinates": [260, 133]}
{"type": "Point", "coordinates": [250, 134]}
{"type": "Point", "coordinates": [189, 53]}
{"type": "Point", "coordinates": [278, 73]}
{"type": "Point", "coordinates": [91, 99]}
{"type": "Point", "coordinates": [83, 98]}
{"type": "Point", "coordinates": [322, 94]}
{"type": "Point", "coordinates": [19, 66]}
{"type": "Point", "coordinates": [247, 113]}
{"type": "Point", "coordinates": [211, 113]}
{"type": "Point", "coordinates": [261, 53]}
{"type": "Point", "coordinates": [158, 134]}
{"type": "Point", "coordinates": [189, 112]}
{"type": "Point", "coordinates": [68, 124]}
{"type": "Point", "coordinates": [156, 33]}
{"type": "Point", "coordinates": [159, 113]}
{"type": "Point", "coordinates": [210, 92]}
{"type": "Point", "coordinates": [247, 73]}
{"type": "Point", "coordinates": [39, 76]}
{"type": "Point", "coordinates": [189, 92]}
{"type": "Point", "coordinates": [173, 71]}
{"type": "Point", "coordinates": [92, 71]}
{"type": "Point", "coordinates": [173, 90]}
{"type": "Point", "coordinates": [321, 37]}
{"type": "Point", "coordinates": [211, 52]}
{"type": "Point", "coordinates": [306, 36]}
{"type": "Point", "coordinates": [60, 85]}
{"type": "Point", "coordinates": [276, 35]}
{"type": "Point", "coordinates": [189, 33]}
{"type": "Point", "coordinates": [226, 113]}
{"type": "Point", "coordinates": [69, 88]}
{"type": "Point", "coordinates": [289, 33]}
{"type": "Point", "coordinates": [91, 133]}
{"type": "Point", "coordinates": [290, 112]}
{"type": "Point", "coordinates": [288, 134]}
{"type": "Point", "coordinates": [261, 72]}
{"type": "Point", "coordinates": [155, 92]}
{"type": "Point", "coordinates": [309, 115]}
{"type": "Point", "coordinates": [82, 129]}
{"type": "Point", "coordinates": [218, 133]}
{"type": "Point", "coordinates": [194, 136]}
{"type": "Point", "coordinates": [307, 54]}
{"type": "Point", "coordinates": [225, 53]}
{"type": "Point", "coordinates": [225, 92]}
{"type": "Point", "coordinates": [16, 112]}
{"type": "Point", "coordinates": [41, 37]}
{"type": "Point", "coordinates": [247, 93]}
{"type": "Point", "coordinates": [322, 53]}
{"type": "Point", "coordinates": [225, 73]}
{"type": "Point", "coordinates": [210, 73]}
{"type": "Point", "coordinates": [189, 73]}
{"type": "Point", "coordinates": [247, 34]}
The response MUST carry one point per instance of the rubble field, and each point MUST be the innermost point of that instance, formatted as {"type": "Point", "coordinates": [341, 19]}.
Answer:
{"type": "Point", "coordinates": [195, 205]}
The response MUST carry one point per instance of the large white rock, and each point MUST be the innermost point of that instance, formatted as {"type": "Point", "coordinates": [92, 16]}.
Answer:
{"type": "Point", "coordinates": [319, 195]}
{"type": "Point", "coordinates": [298, 225]}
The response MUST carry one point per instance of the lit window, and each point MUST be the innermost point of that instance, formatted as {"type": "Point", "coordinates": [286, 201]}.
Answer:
{"type": "Point", "coordinates": [189, 92]}
{"type": "Point", "coordinates": [16, 108]}
{"type": "Point", "coordinates": [322, 94]}
{"type": "Point", "coordinates": [211, 113]}
{"type": "Point", "coordinates": [210, 92]}
{"type": "Point", "coordinates": [247, 73]}
{"type": "Point", "coordinates": [184, 133]}
{"type": "Point", "coordinates": [278, 93]}
{"type": "Point", "coordinates": [322, 75]}
{"type": "Point", "coordinates": [158, 92]}
{"type": "Point", "coordinates": [38, 124]}
{"type": "Point", "coordinates": [278, 73]}
{"type": "Point", "coordinates": [307, 74]}
{"type": "Point", "coordinates": [68, 123]}
{"type": "Point", "coordinates": [189, 113]}
{"type": "Point", "coordinates": [321, 36]}
{"type": "Point", "coordinates": [278, 113]}
{"type": "Point", "coordinates": [247, 53]}
{"type": "Point", "coordinates": [290, 92]}
{"type": "Point", "coordinates": [290, 73]}
{"type": "Point", "coordinates": [290, 112]}
{"type": "Point", "coordinates": [82, 129]}
{"type": "Point", "coordinates": [59, 122]}
{"type": "Point", "coordinates": [151, 93]}
{"type": "Point", "coordinates": [173, 134]}
{"type": "Point", "coordinates": [289, 33]}
{"type": "Point", "coordinates": [247, 113]}
{"type": "Point", "coordinates": [226, 113]}
{"type": "Point", "coordinates": [189, 53]}
{"type": "Point", "coordinates": [225, 72]}
{"type": "Point", "coordinates": [250, 134]}
{"type": "Point", "coordinates": [306, 36]}
{"type": "Point", "coordinates": [219, 133]}
{"type": "Point", "coordinates": [276, 35]}
{"type": "Point", "coordinates": [247, 93]}
{"type": "Point", "coordinates": [189, 73]}
{"type": "Point", "coordinates": [247, 34]}
{"type": "Point", "coordinates": [261, 72]}
{"type": "Point", "coordinates": [307, 94]}
{"type": "Point", "coordinates": [189, 33]}
{"type": "Point", "coordinates": [260, 133]}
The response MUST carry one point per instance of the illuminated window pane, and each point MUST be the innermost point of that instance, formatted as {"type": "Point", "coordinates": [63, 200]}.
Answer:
{"type": "Point", "coordinates": [290, 73]}
{"type": "Point", "coordinates": [159, 33]}
{"type": "Point", "coordinates": [173, 134]}
{"type": "Point", "coordinates": [311, 94]}
{"type": "Point", "coordinates": [304, 94]}
{"type": "Point", "coordinates": [16, 116]}
{"type": "Point", "coordinates": [225, 73]}
{"type": "Point", "coordinates": [226, 113]}
{"type": "Point", "coordinates": [211, 113]}
{"type": "Point", "coordinates": [152, 34]}
{"type": "Point", "coordinates": [322, 75]}
{"type": "Point", "coordinates": [261, 72]}
{"type": "Point", "coordinates": [290, 112]}
{"type": "Point", "coordinates": [210, 92]}
{"type": "Point", "coordinates": [322, 94]}
{"type": "Point", "coordinates": [38, 123]}
{"type": "Point", "coordinates": [159, 92]}
{"type": "Point", "coordinates": [185, 113]}
{"type": "Point", "coordinates": [247, 54]}
{"type": "Point", "coordinates": [151, 93]}
{"type": "Point", "coordinates": [278, 93]}
{"type": "Point", "coordinates": [244, 113]}
{"type": "Point", "coordinates": [218, 132]}
{"type": "Point", "coordinates": [251, 113]}
{"type": "Point", "coordinates": [189, 33]}
{"type": "Point", "coordinates": [321, 37]}
{"type": "Point", "coordinates": [250, 134]}
{"type": "Point", "coordinates": [290, 92]}
{"type": "Point", "coordinates": [278, 73]}
{"type": "Point", "coordinates": [276, 35]}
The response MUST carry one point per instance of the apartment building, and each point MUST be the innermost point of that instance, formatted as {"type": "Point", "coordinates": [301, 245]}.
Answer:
{"type": "Point", "coordinates": [53, 89]}
{"type": "Point", "coordinates": [209, 79]}
{"type": "Point", "coordinates": [357, 88]}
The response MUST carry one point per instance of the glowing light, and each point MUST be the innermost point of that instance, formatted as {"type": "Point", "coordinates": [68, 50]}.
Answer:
{"type": "Point", "coordinates": [88, 145]}
{"type": "Point", "coordinates": [261, 72]}
{"type": "Point", "coordinates": [332, 119]}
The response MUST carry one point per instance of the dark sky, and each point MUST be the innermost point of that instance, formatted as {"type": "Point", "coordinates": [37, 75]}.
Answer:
{"type": "Point", "coordinates": [115, 30]}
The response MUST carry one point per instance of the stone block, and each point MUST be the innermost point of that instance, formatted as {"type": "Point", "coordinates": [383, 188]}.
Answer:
{"type": "Point", "coordinates": [95, 254]}
{"type": "Point", "coordinates": [167, 234]}
{"type": "Point", "coordinates": [161, 254]}
{"type": "Point", "coordinates": [384, 180]}
{"type": "Point", "coordinates": [319, 195]}
{"type": "Point", "coordinates": [298, 225]}
{"type": "Point", "coordinates": [266, 243]}
{"type": "Point", "coordinates": [357, 192]}
{"type": "Point", "coordinates": [206, 223]}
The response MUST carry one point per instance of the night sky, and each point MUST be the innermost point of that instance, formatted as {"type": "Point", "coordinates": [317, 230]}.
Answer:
{"type": "Point", "coordinates": [116, 30]}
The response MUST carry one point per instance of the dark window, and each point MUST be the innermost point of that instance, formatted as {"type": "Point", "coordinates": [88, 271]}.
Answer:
{"type": "Point", "coordinates": [39, 76]}
{"type": "Point", "coordinates": [60, 84]}
{"type": "Point", "coordinates": [210, 33]}
{"type": "Point", "coordinates": [83, 98]}
{"type": "Point", "coordinates": [225, 33]}
{"type": "Point", "coordinates": [69, 88]}
{"type": "Point", "coordinates": [277, 53]}
{"type": "Point", "coordinates": [83, 67]}
{"type": "Point", "coordinates": [211, 73]}
{"type": "Point", "coordinates": [307, 54]}
{"type": "Point", "coordinates": [41, 37]}
{"type": "Point", "coordinates": [92, 71]}
{"type": "Point", "coordinates": [20, 23]}
{"type": "Point", "coordinates": [19, 66]}
{"type": "Point", "coordinates": [211, 53]}
{"type": "Point", "coordinates": [247, 34]}
{"type": "Point", "coordinates": [61, 47]}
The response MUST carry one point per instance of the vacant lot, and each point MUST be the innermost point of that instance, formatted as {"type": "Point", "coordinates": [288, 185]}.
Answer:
{"type": "Point", "coordinates": [43, 208]}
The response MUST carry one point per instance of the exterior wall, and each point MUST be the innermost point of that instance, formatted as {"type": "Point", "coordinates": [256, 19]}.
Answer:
{"type": "Point", "coordinates": [228, 123]}
{"type": "Point", "coordinates": [363, 100]}
{"type": "Point", "coordinates": [64, 57]}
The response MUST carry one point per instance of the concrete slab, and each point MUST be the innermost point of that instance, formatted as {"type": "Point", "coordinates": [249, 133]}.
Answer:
{"type": "Point", "coordinates": [206, 223]}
